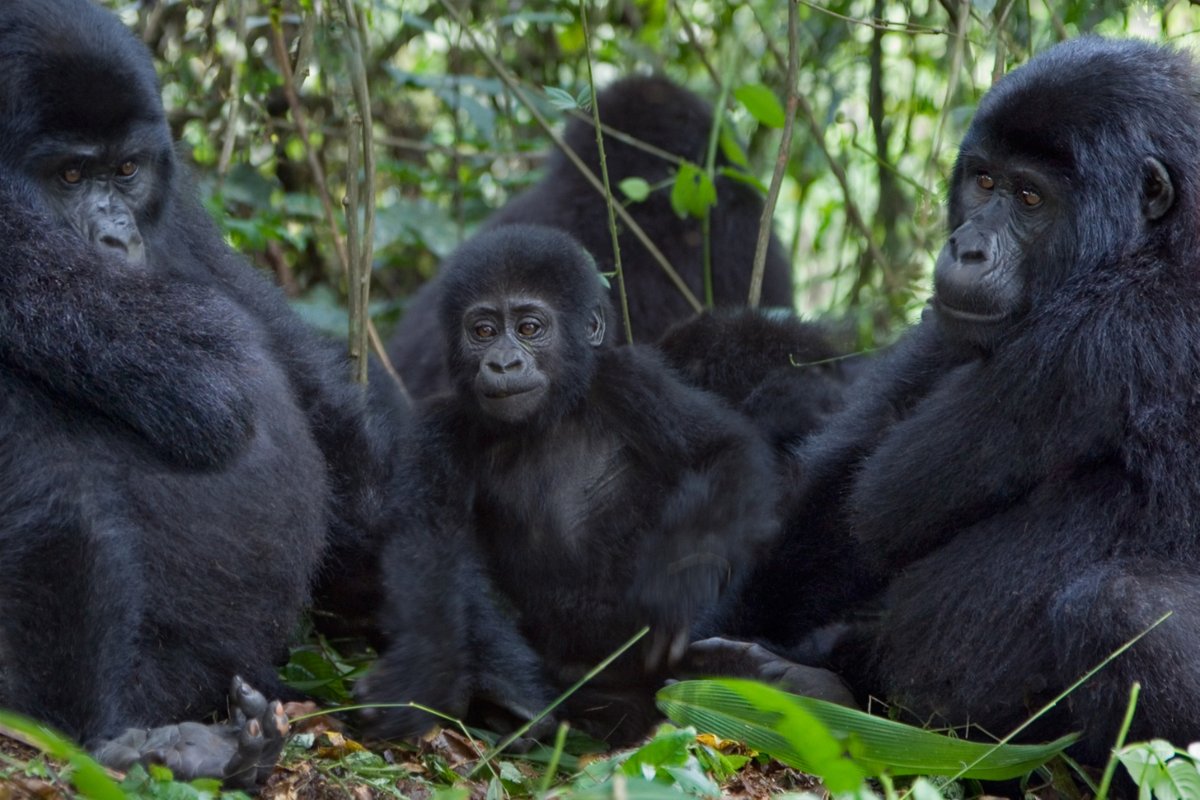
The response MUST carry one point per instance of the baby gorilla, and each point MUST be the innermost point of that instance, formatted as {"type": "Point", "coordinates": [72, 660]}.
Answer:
{"type": "Point", "coordinates": [566, 494]}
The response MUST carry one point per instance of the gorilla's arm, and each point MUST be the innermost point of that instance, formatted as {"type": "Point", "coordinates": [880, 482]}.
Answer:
{"type": "Point", "coordinates": [448, 642]}
{"type": "Point", "coordinates": [1050, 403]}
{"type": "Point", "coordinates": [719, 511]}
{"type": "Point", "coordinates": [167, 359]}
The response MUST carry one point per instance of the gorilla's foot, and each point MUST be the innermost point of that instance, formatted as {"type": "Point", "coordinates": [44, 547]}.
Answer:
{"type": "Point", "coordinates": [734, 659]}
{"type": "Point", "coordinates": [241, 752]}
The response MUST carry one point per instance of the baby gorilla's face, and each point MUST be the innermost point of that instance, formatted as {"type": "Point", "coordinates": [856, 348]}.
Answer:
{"type": "Point", "coordinates": [510, 339]}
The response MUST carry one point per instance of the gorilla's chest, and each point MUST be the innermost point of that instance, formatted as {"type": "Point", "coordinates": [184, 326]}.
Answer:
{"type": "Point", "coordinates": [551, 495]}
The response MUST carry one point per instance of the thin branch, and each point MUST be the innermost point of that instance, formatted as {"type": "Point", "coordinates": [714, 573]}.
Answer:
{"type": "Point", "coordinates": [608, 198]}
{"type": "Point", "coordinates": [359, 277]}
{"type": "Point", "coordinates": [697, 50]}
{"type": "Point", "coordinates": [781, 161]}
{"type": "Point", "coordinates": [630, 223]}
{"type": "Point", "coordinates": [279, 48]}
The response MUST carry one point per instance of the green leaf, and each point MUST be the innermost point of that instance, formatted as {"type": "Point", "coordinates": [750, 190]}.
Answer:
{"type": "Point", "coordinates": [767, 720]}
{"type": "Point", "coordinates": [762, 104]}
{"type": "Point", "coordinates": [798, 730]}
{"type": "Point", "coordinates": [732, 149]}
{"type": "Point", "coordinates": [693, 192]}
{"type": "Point", "coordinates": [668, 748]}
{"type": "Point", "coordinates": [560, 98]}
{"type": "Point", "coordinates": [1160, 771]}
{"type": "Point", "coordinates": [636, 189]}
{"type": "Point", "coordinates": [743, 177]}
{"type": "Point", "coordinates": [584, 98]}
{"type": "Point", "coordinates": [86, 773]}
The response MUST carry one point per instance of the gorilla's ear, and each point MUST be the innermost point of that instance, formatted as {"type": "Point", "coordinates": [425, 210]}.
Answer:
{"type": "Point", "coordinates": [1158, 195]}
{"type": "Point", "coordinates": [595, 334]}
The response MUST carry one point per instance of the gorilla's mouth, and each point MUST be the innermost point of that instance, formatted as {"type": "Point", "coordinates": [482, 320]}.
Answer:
{"type": "Point", "coordinates": [504, 394]}
{"type": "Point", "coordinates": [969, 317]}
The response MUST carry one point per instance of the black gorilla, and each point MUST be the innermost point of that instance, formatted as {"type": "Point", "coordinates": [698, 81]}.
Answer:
{"type": "Point", "coordinates": [176, 445]}
{"type": "Point", "coordinates": [584, 490]}
{"type": "Point", "coordinates": [1024, 464]}
{"type": "Point", "coordinates": [786, 374]}
{"type": "Point", "coordinates": [656, 112]}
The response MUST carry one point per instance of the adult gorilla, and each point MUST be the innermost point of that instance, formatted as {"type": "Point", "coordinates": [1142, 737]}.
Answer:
{"type": "Point", "coordinates": [1024, 464]}
{"type": "Point", "coordinates": [175, 444]}
{"type": "Point", "coordinates": [667, 117]}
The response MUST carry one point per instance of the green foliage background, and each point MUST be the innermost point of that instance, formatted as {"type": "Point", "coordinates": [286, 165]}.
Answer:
{"type": "Point", "coordinates": [887, 90]}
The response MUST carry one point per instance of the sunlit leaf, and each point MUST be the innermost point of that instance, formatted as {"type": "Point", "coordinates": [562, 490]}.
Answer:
{"type": "Point", "coordinates": [762, 104]}
{"type": "Point", "coordinates": [560, 98]}
{"type": "Point", "coordinates": [797, 730]}
{"type": "Point", "coordinates": [693, 192]}
{"type": "Point", "coordinates": [636, 189]}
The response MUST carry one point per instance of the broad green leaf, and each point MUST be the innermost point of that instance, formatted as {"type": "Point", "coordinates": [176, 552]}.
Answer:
{"type": "Point", "coordinates": [762, 104]}
{"type": "Point", "coordinates": [693, 192]}
{"type": "Point", "coordinates": [1160, 771]}
{"type": "Point", "coordinates": [766, 720]}
{"type": "Point", "coordinates": [636, 189]}
{"type": "Point", "coordinates": [780, 724]}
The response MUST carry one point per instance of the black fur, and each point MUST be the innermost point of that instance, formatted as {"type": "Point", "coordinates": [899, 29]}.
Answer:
{"type": "Point", "coordinates": [786, 374]}
{"type": "Point", "coordinates": [659, 113]}
{"type": "Point", "coordinates": [626, 498]}
{"type": "Point", "coordinates": [176, 444]}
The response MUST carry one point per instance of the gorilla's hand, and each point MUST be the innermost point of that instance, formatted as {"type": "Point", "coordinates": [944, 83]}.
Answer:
{"type": "Point", "coordinates": [241, 752]}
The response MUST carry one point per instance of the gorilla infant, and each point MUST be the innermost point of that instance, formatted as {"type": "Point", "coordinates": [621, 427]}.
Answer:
{"type": "Point", "coordinates": [583, 491]}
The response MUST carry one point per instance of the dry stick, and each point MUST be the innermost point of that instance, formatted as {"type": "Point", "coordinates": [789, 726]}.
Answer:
{"type": "Point", "coordinates": [608, 198]}
{"type": "Point", "coordinates": [279, 47]}
{"type": "Point", "coordinates": [360, 278]}
{"type": "Point", "coordinates": [630, 223]}
{"type": "Point", "coordinates": [781, 162]}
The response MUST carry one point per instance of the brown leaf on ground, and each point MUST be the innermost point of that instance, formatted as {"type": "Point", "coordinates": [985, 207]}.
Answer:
{"type": "Point", "coordinates": [757, 780]}
{"type": "Point", "coordinates": [29, 789]}
{"type": "Point", "coordinates": [321, 724]}
{"type": "Point", "coordinates": [455, 748]}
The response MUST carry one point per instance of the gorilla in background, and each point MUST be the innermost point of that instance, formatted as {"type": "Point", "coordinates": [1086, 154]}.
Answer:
{"type": "Point", "coordinates": [786, 374]}
{"type": "Point", "coordinates": [584, 490]}
{"type": "Point", "coordinates": [1023, 465]}
{"type": "Point", "coordinates": [176, 444]}
{"type": "Point", "coordinates": [656, 112]}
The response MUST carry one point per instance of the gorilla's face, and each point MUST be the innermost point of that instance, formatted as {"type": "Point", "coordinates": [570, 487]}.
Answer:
{"type": "Point", "coordinates": [511, 339]}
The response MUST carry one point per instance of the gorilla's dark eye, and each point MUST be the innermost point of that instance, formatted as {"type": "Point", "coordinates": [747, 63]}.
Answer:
{"type": "Point", "coordinates": [985, 181]}
{"type": "Point", "coordinates": [71, 175]}
{"type": "Point", "coordinates": [1031, 198]}
{"type": "Point", "coordinates": [484, 330]}
{"type": "Point", "coordinates": [528, 328]}
{"type": "Point", "coordinates": [127, 169]}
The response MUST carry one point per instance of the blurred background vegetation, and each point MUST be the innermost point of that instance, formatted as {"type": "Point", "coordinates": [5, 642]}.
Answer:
{"type": "Point", "coordinates": [886, 91]}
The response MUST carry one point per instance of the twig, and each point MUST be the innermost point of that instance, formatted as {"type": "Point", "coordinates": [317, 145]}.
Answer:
{"type": "Point", "coordinates": [697, 50]}
{"type": "Point", "coordinates": [630, 223]}
{"type": "Point", "coordinates": [279, 47]}
{"type": "Point", "coordinates": [608, 198]}
{"type": "Point", "coordinates": [781, 161]}
{"type": "Point", "coordinates": [359, 277]}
